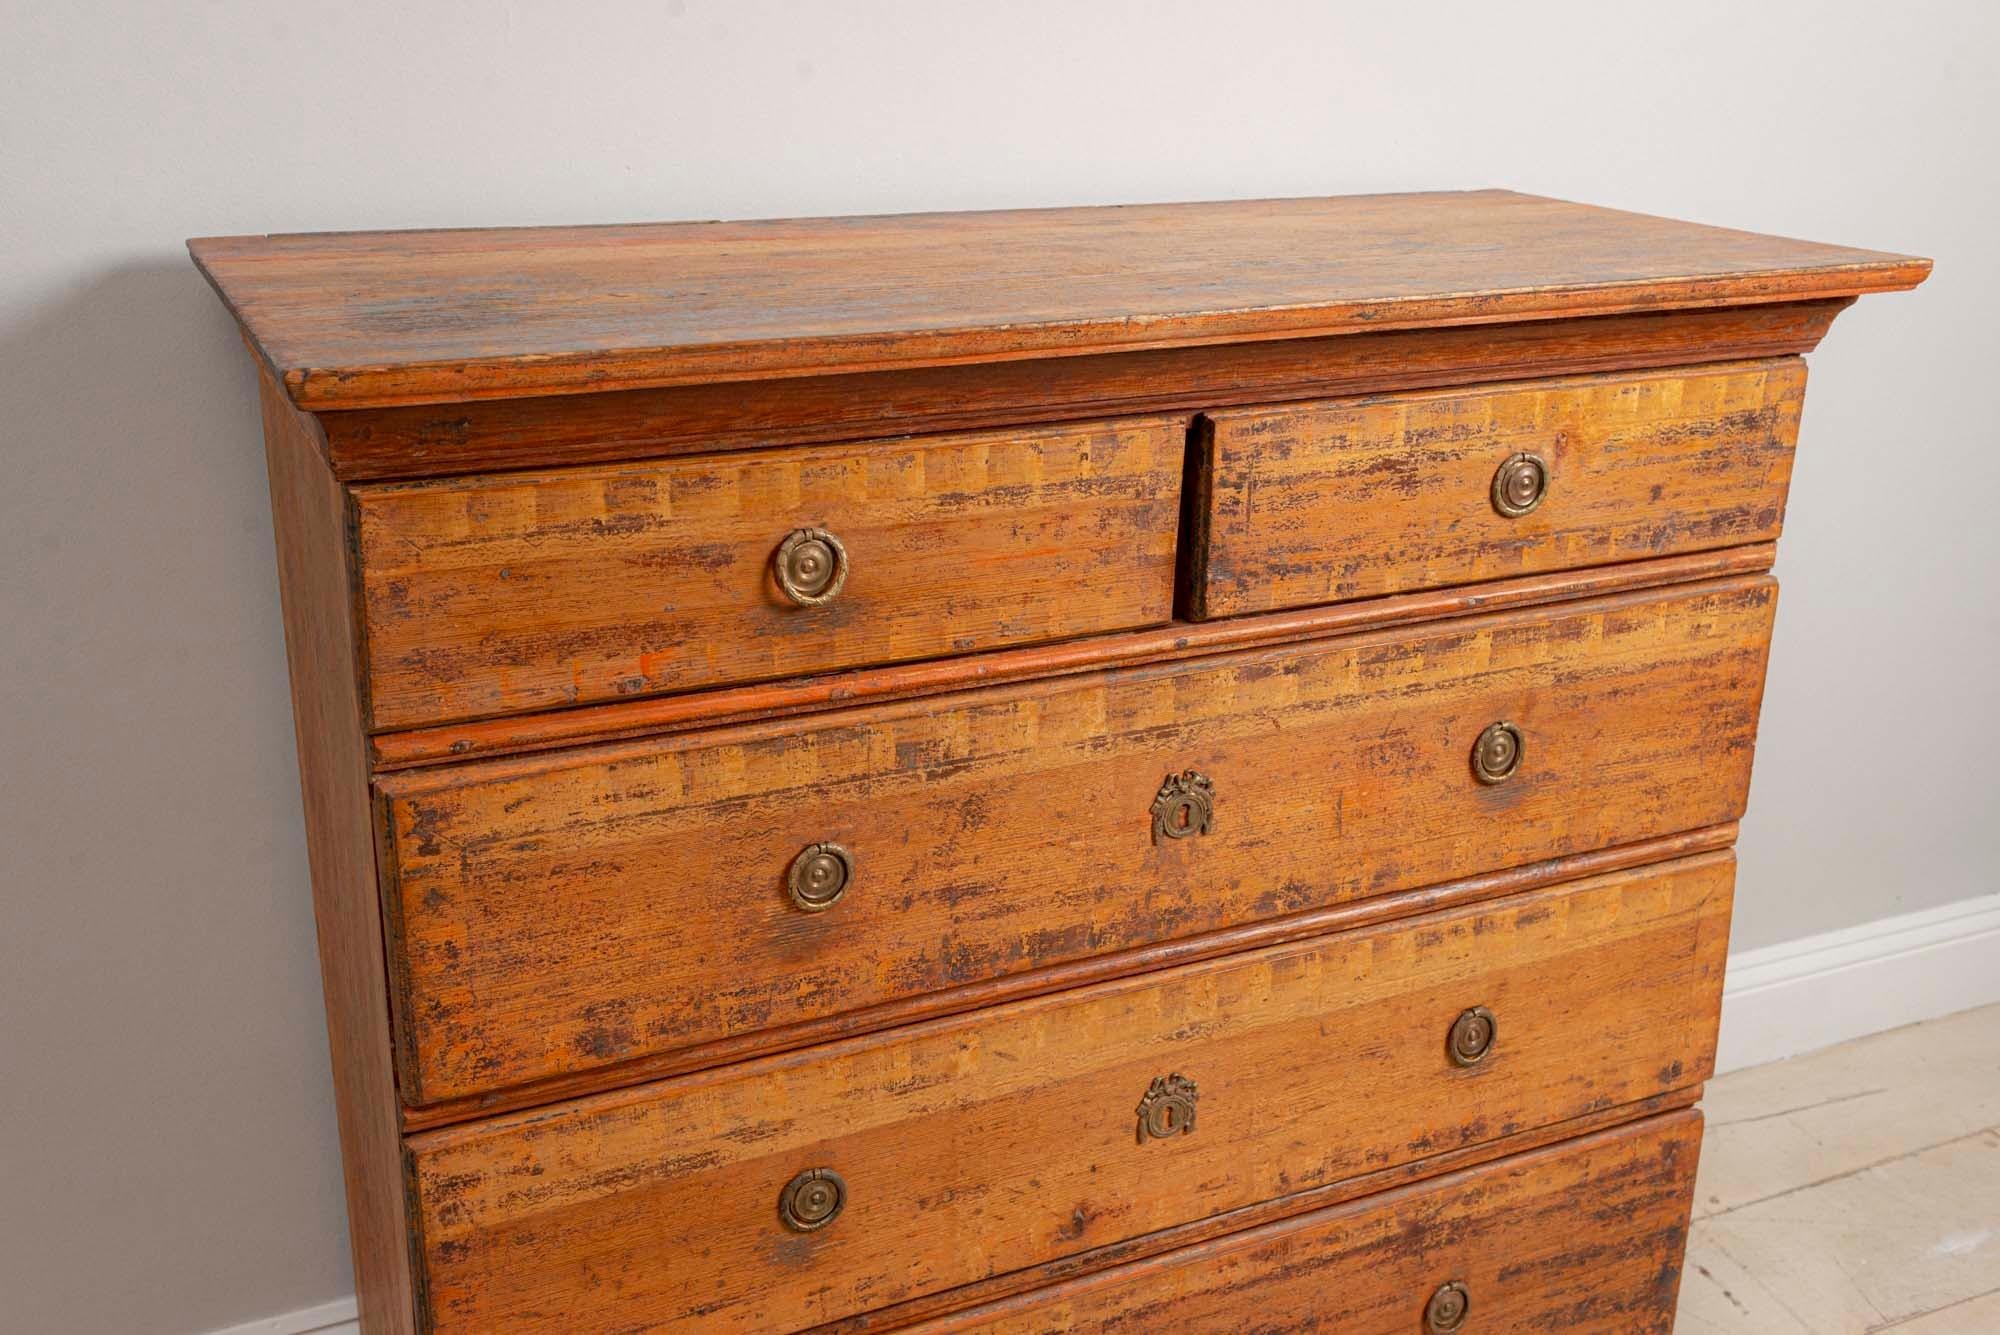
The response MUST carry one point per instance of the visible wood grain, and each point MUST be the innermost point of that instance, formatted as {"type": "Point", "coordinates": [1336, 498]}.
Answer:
{"type": "Point", "coordinates": [310, 513]}
{"type": "Point", "coordinates": [999, 1287]}
{"type": "Point", "coordinates": [1511, 1232]}
{"type": "Point", "coordinates": [1076, 973]}
{"type": "Point", "coordinates": [628, 719]}
{"type": "Point", "coordinates": [555, 915]}
{"type": "Point", "coordinates": [504, 594]}
{"type": "Point", "coordinates": [490, 435]}
{"type": "Point", "coordinates": [353, 319]}
{"type": "Point", "coordinates": [1358, 498]}
{"type": "Point", "coordinates": [993, 1142]}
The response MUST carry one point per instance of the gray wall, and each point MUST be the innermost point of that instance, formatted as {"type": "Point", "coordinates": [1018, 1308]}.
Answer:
{"type": "Point", "coordinates": [167, 1156]}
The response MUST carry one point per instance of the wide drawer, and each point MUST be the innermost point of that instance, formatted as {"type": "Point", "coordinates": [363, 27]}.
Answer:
{"type": "Point", "coordinates": [493, 595]}
{"type": "Point", "coordinates": [1585, 1236]}
{"type": "Point", "coordinates": [559, 915]}
{"type": "Point", "coordinates": [927, 1158]}
{"type": "Point", "coordinates": [1355, 498]}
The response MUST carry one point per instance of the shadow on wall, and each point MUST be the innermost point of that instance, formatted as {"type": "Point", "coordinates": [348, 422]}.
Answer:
{"type": "Point", "coordinates": [165, 1043]}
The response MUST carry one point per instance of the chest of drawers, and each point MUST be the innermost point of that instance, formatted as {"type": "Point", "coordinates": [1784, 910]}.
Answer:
{"type": "Point", "coordinates": [1099, 769]}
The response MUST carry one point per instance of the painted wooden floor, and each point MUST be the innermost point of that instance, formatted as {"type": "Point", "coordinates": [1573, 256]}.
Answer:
{"type": "Point", "coordinates": [1854, 1190]}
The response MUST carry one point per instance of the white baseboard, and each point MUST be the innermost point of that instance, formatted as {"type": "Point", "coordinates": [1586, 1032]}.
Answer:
{"type": "Point", "coordinates": [1778, 1002]}
{"type": "Point", "coordinates": [1799, 996]}
{"type": "Point", "coordinates": [339, 1317]}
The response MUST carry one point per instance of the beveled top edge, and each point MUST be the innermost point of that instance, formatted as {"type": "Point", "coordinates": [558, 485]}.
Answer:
{"type": "Point", "coordinates": [379, 319]}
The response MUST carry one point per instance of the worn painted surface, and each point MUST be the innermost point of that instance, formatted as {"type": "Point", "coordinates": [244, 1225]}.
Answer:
{"type": "Point", "coordinates": [1583, 1237]}
{"type": "Point", "coordinates": [982, 1144]}
{"type": "Point", "coordinates": [310, 511]}
{"type": "Point", "coordinates": [470, 437]}
{"type": "Point", "coordinates": [353, 319]}
{"type": "Point", "coordinates": [1328, 501]}
{"type": "Point", "coordinates": [988, 1292]}
{"type": "Point", "coordinates": [1075, 973]}
{"type": "Point", "coordinates": [598, 737]}
{"type": "Point", "coordinates": [562, 914]}
{"type": "Point", "coordinates": [623, 720]}
{"type": "Point", "coordinates": [502, 594]}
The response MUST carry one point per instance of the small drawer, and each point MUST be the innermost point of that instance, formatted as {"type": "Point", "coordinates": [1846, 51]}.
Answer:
{"type": "Point", "coordinates": [807, 1187]}
{"type": "Point", "coordinates": [1583, 1237]}
{"type": "Point", "coordinates": [496, 595]}
{"type": "Point", "coordinates": [555, 916]}
{"type": "Point", "coordinates": [1311, 503]}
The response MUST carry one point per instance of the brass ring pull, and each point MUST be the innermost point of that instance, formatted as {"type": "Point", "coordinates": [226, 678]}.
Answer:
{"type": "Point", "coordinates": [1519, 484]}
{"type": "Point", "coordinates": [1497, 754]}
{"type": "Point", "coordinates": [812, 1200]}
{"type": "Point", "coordinates": [1472, 1035]}
{"type": "Point", "coordinates": [1184, 806]}
{"type": "Point", "coordinates": [1447, 1309]}
{"type": "Point", "coordinates": [810, 566]}
{"type": "Point", "coordinates": [1167, 1109]}
{"type": "Point", "coordinates": [819, 876]}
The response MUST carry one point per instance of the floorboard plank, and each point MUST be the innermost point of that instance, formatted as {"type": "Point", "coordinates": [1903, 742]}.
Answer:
{"type": "Point", "coordinates": [1854, 1190]}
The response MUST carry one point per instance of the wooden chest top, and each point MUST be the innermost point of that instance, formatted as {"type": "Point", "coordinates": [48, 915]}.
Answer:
{"type": "Point", "coordinates": [371, 319]}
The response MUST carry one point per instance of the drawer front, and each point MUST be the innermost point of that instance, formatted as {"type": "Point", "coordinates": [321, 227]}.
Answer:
{"type": "Point", "coordinates": [494, 595]}
{"type": "Point", "coordinates": [1583, 1237]}
{"type": "Point", "coordinates": [559, 915]}
{"type": "Point", "coordinates": [1356, 498]}
{"type": "Point", "coordinates": [947, 1152]}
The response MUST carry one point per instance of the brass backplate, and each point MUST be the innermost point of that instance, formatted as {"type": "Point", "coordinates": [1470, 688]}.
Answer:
{"type": "Point", "coordinates": [1184, 806]}
{"type": "Point", "coordinates": [1497, 753]}
{"type": "Point", "coordinates": [810, 566]}
{"type": "Point", "coordinates": [812, 1200]}
{"type": "Point", "coordinates": [1519, 484]}
{"type": "Point", "coordinates": [1447, 1309]}
{"type": "Point", "coordinates": [1168, 1108]}
{"type": "Point", "coordinates": [819, 876]}
{"type": "Point", "coordinates": [1472, 1035]}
